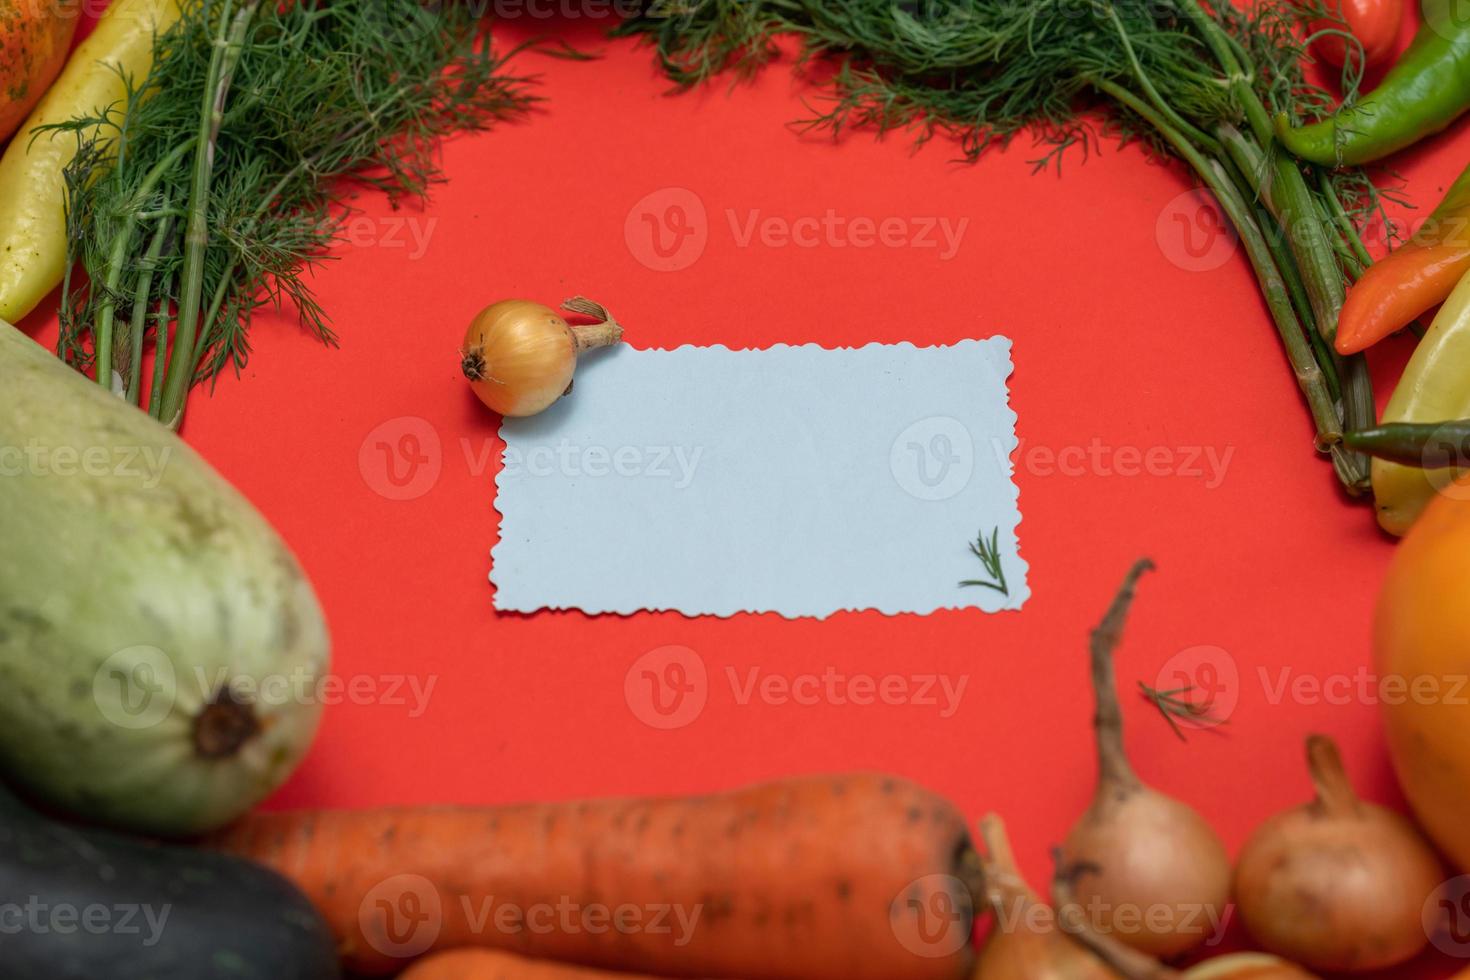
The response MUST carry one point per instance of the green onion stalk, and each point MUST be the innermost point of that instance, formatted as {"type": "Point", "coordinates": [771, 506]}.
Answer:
{"type": "Point", "coordinates": [1201, 84]}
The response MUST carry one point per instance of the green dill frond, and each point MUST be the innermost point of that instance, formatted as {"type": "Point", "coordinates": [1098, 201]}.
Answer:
{"type": "Point", "coordinates": [325, 94]}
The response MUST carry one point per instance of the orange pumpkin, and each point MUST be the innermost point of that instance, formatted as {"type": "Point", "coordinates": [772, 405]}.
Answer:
{"type": "Point", "coordinates": [1422, 641]}
{"type": "Point", "coordinates": [35, 37]}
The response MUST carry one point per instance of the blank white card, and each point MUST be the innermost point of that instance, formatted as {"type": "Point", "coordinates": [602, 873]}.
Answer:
{"type": "Point", "coordinates": [797, 480]}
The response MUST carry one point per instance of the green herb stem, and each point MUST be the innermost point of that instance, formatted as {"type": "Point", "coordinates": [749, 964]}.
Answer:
{"type": "Point", "coordinates": [1278, 296]}
{"type": "Point", "coordinates": [229, 45]}
{"type": "Point", "coordinates": [121, 242]}
{"type": "Point", "coordinates": [139, 324]}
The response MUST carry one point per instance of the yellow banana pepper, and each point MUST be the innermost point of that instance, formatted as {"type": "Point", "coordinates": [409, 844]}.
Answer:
{"type": "Point", "coordinates": [32, 190]}
{"type": "Point", "coordinates": [1435, 388]}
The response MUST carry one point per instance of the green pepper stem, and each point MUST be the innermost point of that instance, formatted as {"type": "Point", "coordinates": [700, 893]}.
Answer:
{"type": "Point", "coordinates": [1429, 446]}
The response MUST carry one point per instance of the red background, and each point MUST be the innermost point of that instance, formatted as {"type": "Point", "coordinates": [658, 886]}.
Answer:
{"type": "Point", "coordinates": [1114, 343]}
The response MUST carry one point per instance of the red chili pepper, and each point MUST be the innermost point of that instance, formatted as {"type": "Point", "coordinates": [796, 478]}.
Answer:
{"type": "Point", "coordinates": [1413, 280]}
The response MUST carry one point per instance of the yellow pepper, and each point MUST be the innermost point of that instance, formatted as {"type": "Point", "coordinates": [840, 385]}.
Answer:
{"type": "Point", "coordinates": [32, 190]}
{"type": "Point", "coordinates": [1435, 388]}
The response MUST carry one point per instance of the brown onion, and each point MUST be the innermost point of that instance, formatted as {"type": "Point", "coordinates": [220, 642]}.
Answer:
{"type": "Point", "coordinates": [1131, 964]}
{"type": "Point", "coordinates": [1337, 884]}
{"type": "Point", "coordinates": [1144, 867]}
{"type": "Point", "coordinates": [1025, 941]}
{"type": "Point", "coordinates": [519, 356]}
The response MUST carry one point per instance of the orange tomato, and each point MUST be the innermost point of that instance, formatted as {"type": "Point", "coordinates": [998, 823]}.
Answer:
{"type": "Point", "coordinates": [1375, 23]}
{"type": "Point", "coordinates": [35, 37]}
{"type": "Point", "coordinates": [1422, 644]}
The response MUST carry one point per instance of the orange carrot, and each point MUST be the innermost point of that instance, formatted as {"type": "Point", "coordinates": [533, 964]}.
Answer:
{"type": "Point", "coordinates": [491, 964]}
{"type": "Point", "coordinates": [848, 877]}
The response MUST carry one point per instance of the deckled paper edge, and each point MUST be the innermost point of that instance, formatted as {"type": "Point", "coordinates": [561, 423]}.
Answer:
{"type": "Point", "coordinates": [998, 340]}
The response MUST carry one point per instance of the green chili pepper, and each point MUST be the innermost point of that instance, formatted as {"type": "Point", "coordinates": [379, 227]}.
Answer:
{"type": "Point", "coordinates": [1427, 90]}
{"type": "Point", "coordinates": [1429, 446]}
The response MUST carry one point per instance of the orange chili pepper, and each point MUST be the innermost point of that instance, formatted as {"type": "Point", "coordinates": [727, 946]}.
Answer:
{"type": "Point", "coordinates": [1413, 280]}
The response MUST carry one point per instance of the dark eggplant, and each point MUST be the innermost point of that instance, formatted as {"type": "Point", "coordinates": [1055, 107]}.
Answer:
{"type": "Point", "coordinates": [81, 904]}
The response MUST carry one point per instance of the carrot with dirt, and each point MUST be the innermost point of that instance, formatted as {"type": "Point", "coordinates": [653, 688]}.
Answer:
{"type": "Point", "coordinates": [847, 877]}
{"type": "Point", "coordinates": [492, 964]}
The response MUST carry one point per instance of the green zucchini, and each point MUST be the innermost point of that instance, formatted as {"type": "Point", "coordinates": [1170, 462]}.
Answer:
{"type": "Point", "coordinates": [92, 904]}
{"type": "Point", "coordinates": [160, 648]}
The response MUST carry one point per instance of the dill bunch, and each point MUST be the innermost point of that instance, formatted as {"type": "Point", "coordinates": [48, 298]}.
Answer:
{"type": "Point", "coordinates": [1199, 83]}
{"type": "Point", "coordinates": [216, 184]}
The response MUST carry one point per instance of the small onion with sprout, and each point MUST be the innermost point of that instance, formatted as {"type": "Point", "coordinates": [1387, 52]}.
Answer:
{"type": "Point", "coordinates": [1337, 884]}
{"type": "Point", "coordinates": [520, 356]}
{"type": "Point", "coordinates": [1137, 852]}
{"type": "Point", "coordinates": [1130, 964]}
{"type": "Point", "coordinates": [1025, 942]}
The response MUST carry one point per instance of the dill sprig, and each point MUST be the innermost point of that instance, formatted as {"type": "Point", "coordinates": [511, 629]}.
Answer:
{"type": "Point", "coordinates": [221, 178]}
{"type": "Point", "coordinates": [988, 553]}
{"type": "Point", "coordinates": [1195, 81]}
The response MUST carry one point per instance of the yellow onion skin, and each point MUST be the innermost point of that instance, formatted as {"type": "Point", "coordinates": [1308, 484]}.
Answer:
{"type": "Point", "coordinates": [1025, 942]}
{"type": "Point", "coordinates": [1037, 949]}
{"type": "Point", "coordinates": [519, 357]}
{"type": "Point", "coordinates": [1157, 876]}
{"type": "Point", "coordinates": [1248, 966]}
{"type": "Point", "coordinates": [1338, 885]}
